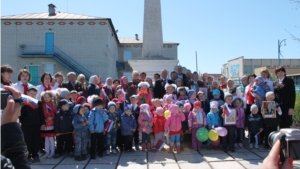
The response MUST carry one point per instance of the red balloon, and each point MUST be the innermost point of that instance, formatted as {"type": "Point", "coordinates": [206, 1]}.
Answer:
{"type": "Point", "coordinates": [215, 143]}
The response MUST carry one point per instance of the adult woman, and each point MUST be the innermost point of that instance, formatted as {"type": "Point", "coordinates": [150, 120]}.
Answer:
{"type": "Point", "coordinates": [116, 83]}
{"type": "Point", "coordinates": [285, 95]}
{"type": "Point", "coordinates": [196, 83]}
{"type": "Point", "coordinates": [223, 83]}
{"type": "Point", "coordinates": [230, 86]}
{"type": "Point", "coordinates": [108, 88]}
{"type": "Point", "coordinates": [93, 88]}
{"type": "Point", "coordinates": [179, 82]}
{"type": "Point", "coordinates": [23, 78]}
{"type": "Point", "coordinates": [133, 85]}
{"type": "Point", "coordinates": [81, 79]}
{"type": "Point", "coordinates": [46, 80]}
{"type": "Point", "coordinates": [248, 96]}
{"type": "Point", "coordinates": [124, 83]}
{"type": "Point", "coordinates": [243, 85]}
{"type": "Point", "coordinates": [151, 87]}
{"type": "Point", "coordinates": [6, 72]}
{"type": "Point", "coordinates": [205, 78]}
{"type": "Point", "coordinates": [266, 76]}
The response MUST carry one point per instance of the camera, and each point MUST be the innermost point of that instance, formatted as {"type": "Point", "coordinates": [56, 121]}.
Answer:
{"type": "Point", "coordinates": [289, 141]}
{"type": "Point", "coordinates": [4, 96]}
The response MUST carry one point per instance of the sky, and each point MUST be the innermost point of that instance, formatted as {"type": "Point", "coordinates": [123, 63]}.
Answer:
{"type": "Point", "coordinates": [218, 30]}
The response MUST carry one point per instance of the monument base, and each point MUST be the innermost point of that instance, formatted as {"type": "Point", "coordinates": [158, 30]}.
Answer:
{"type": "Point", "coordinates": [153, 66]}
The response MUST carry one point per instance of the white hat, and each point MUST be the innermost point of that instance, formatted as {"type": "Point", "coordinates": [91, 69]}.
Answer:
{"type": "Point", "coordinates": [270, 94]}
{"type": "Point", "coordinates": [253, 107]}
{"type": "Point", "coordinates": [214, 104]}
{"type": "Point", "coordinates": [71, 73]}
{"type": "Point", "coordinates": [143, 83]}
{"type": "Point", "coordinates": [185, 88]}
{"type": "Point", "coordinates": [167, 85]}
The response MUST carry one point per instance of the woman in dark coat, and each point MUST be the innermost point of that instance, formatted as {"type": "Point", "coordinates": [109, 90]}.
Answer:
{"type": "Point", "coordinates": [93, 88]}
{"type": "Point", "coordinates": [285, 95]}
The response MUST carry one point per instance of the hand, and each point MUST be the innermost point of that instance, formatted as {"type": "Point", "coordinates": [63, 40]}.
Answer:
{"type": "Point", "coordinates": [223, 115]}
{"type": "Point", "coordinates": [118, 124]}
{"type": "Point", "coordinates": [259, 97]}
{"type": "Point", "coordinates": [291, 111]}
{"type": "Point", "coordinates": [58, 134]}
{"type": "Point", "coordinates": [237, 118]}
{"type": "Point", "coordinates": [12, 111]}
{"type": "Point", "coordinates": [92, 131]}
{"type": "Point", "coordinates": [272, 160]}
{"type": "Point", "coordinates": [260, 130]}
{"type": "Point", "coordinates": [87, 122]}
{"type": "Point", "coordinates": [42, 127]}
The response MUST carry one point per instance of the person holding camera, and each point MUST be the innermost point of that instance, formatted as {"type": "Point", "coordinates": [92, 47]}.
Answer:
{"type": "Point", "coordinates": [6, 72]}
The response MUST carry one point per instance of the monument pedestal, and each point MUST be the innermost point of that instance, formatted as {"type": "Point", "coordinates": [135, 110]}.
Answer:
{"type": "Point", "coordinates": [153, 66]}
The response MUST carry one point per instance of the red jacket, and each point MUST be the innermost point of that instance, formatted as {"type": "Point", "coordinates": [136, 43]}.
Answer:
{"type": "Point", "coordinates": [159, 123]}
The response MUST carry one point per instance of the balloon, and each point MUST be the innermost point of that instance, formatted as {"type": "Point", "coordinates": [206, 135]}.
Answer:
{"type": "Point", "coordinates": [167, 113]}
{"type": "Point", "coordinates": [202, 134]}
{"type": "Point", "coordinates": [221, 131]}
{"type": "Point", "coordinates": [216, 143]}
{"type": "Point", "coordinates": [213, 135]}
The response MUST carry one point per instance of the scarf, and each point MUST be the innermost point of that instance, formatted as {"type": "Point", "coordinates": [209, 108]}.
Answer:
{"type": "Point", "coordinates": [8, 83]}
{"type": "Point", "coordinates": [199, 117]}
{"type": "Point", "coordinates": [46, 88]}
{"type": "Point", "coordinates": [25, 86]}
{"type": "Point", "coordinates": [124, 86]}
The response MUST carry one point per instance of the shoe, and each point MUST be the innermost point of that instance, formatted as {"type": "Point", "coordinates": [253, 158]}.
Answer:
{"type": "Point", "coordinates": [71, 154]}
{"type": "Point", "coordinates": [78, 158]}
{"type": "Point", "coordinates": [137, 147]}
{"type": "Point", "coordinates": [236, 146]}
{"type": "Point", "coordinates": [250, 146]}
{"type": "Point", "coordinates": [171, 149]}
{"type": "Point", "coordinates": [178, 149]}
{"type": "Point", "coordinates": [46, 155]}
{"type": "Point", "coordinates": [148, 147]}
{"type": "Point", "coordinates": [114, 152]}
{"type": "Point", "coordinates": [100, 154]}
{"type": "Point", "coordinates": [241, 145]}
{"type": "Point", "coordinates": [93, 157]}
{"type": "Point", "coordinates": [107, 152]}
{"type": "Point", "coordinates": [256, 146]}
{"type": "Point", "coordinates": [83, 156]}
{"type": "Point", "coordinates": [56, 156]}
{"type": "Point", "coordinates": [143, 146]}
{"type": "Point", "coordinates": [36, 159]}
{"type": "Point", "coordinates": [30, 160]}
{"type": "Point", "coordinates": [50, 155]}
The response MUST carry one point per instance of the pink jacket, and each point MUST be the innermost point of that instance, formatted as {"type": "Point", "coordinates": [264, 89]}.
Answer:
{"type": "Point", "coordinates": [192, 119]}
{"type": "Point", "coordinates": [174, 122]}
{"type": "Point", "coordinates": [145, 122]}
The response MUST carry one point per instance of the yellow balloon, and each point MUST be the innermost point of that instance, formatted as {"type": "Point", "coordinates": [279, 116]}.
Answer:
{"type": "Point", "coordinates": [213, 135]}
{"type": "Point", "coordinates": [167, 113]}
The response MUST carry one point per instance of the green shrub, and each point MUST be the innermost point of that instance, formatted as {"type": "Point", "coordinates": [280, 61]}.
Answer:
{"type": "Point", "coordinates": [296, 115]}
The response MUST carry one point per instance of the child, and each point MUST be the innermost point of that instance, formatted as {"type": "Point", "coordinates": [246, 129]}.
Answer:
{"type": "Point", "coordinates": [168, 102]}
{"type": "Point", "coordinates": [73, 96]}
{"type": "Point", "coordinates": [196, 119]}
{"type": "Point", "coordinates": [192, 97]}
{"type": "Point", "coordinates": [32, 119]}
{"type": "Point", "coordinates": [182, 93]}
{"type": "Point", "coordinates": [170, 88]}
{"type": "Point", "coordinates": [254, 126]}
{"type": "Point", "coordinates": [216, 97]}
{"type": "Point", "coordinates": [128, 127]}
{"type": "Point", "coordinates": [135, 112]}
{"type": "Point", "coordinates": [240, 123]}
{"type": "Point", "coordinates": [259, 89]}
{"type": "Point", "coordinates": [145, 126]}
{"type": "Point", "coordinates": [204, 101]}
{"type": "Point", "coordinates": [159, 121]}
{"type": "Point", "coordinates": [184, 128]}
{"type": "Point", "coordinates": [97, 118]}
{"type": "Point", "coordinates": [213, 120]}
{"type": "Point", "coordinates": [81, 125]}
{"type": "Point", "coordinates": [143, 93]}
{"type": "Point", "coordinates": [228, 140]}
{"type": "Point", "coordinates": [119, 111]}
{"type": "Point", "coordinates": [111, 136]}
{"type": "Point", "coordinates": [65, 94]}
{"type": "Point", "coordinates": [64, 129]}
{"type": "Point", "coordinates": [87, 109]}
{"type": "Point", "coordinates": [49, 110]}
{"type": "Point", "coordinates": [185, 125]}
{"type": "Point", "coordinates": [271, 124]}
{"type": "Point", "coordinates": [173, 124]}
{"type": "Point", "coordinates": [23, 78]}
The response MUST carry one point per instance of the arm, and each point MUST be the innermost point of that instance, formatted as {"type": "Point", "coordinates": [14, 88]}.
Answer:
{"type": "Point", "coordinates": [91, 121]}
{"type": "Point", "coordinates": [190, 118]}
{"type": "Point", "coordinates": [246, 123]}
{"type": "Point", "coordinates": [292, 94]}
{"type": "Point", "coordinates": [204, 118]}
{"type": "Point", "coordinates": [134, 123]}
{"type": "Point", "coordinates": [57, 124]}
{"type": "Point", "coordinates": [125, 124]}
{"type": "Point", "coordinates": [261, 127]}
{"type": "Point", "coordinates": [167, 124]}
{"type": "Point", "coordinates": [141, 120]}
{"type": "Point", "coordinates": [208, 120]}
{"type": "Point", "coordinates": [182, 116]}
{"type": "Point", "coordinates": [41, 113]}
{"type": "Point", "coordinates": [104, 116]}
{"type": "Point", "coordinates": [77, 124]}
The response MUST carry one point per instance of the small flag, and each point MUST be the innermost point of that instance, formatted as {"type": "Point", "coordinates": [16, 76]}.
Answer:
{"type": "Point", "coordinates": [103, 93]}
{"type": "Point", "coordinates": [29, 101]}
{"type": "Point", "coordinates": [257, 138]}
{"type": "Point", "coordinates": [109, 125]}
{"type": "Point", "coordinates": [226, 110]}
{"type": "Point", "coordinates": [48, 108]}
{"type": "Point", "coordinates": [160, 144]}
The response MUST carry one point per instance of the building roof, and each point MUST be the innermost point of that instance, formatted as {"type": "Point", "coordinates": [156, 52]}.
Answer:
{"type": "Point", "coordinates": [140, 40]}
{"type": "Point", "coordinates": [45, 15]}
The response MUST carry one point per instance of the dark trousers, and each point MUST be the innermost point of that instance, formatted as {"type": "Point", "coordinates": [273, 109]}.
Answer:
{"type": "Point", "coordinates": [96, 140]}
{"type": "Point", "coordinates": [286, 119]}
{"type": "Point", "coordinates": [228, 140]}
{"type": "Point", "coordinates": [136, 137]}
{"type": "Point", "coordinates": [32, 139]}
{"type": "Point", "coordinates": [145, 138]}
{"type": "Point", "coordinates": [68, 140]}
{"type": "Point", "coordinates": [120, 140]}
{"type": "Point", "coordinates": [128, 142]}
{"type": "Point", "coordinates": [267, 131]}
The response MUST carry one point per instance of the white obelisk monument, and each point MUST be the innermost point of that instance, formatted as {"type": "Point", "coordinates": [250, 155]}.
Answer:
{"type": "Point", "coordinates": [152, 60]}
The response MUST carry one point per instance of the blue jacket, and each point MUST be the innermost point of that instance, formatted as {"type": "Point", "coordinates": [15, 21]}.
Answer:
{"type": "Point", "coordinates": [115, 118]}
{"type": "Point", "coordinates": [213, 119]}
{"type": "Point", "coordinates": [93, 90]}
{"type": "Point", "coordinates": [97, 120]}
{"type": "Point", "coordinates": [127, 124]}
{"type": "Point", "coordinates": [78, 122]}
{"type": "Point", "coordinates": [63, 122]}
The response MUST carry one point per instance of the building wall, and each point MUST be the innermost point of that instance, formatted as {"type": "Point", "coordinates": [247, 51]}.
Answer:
{"type": "Point", "coordinates": [89, 42]}
{"type": "Point", "coordinates": [233, 69]}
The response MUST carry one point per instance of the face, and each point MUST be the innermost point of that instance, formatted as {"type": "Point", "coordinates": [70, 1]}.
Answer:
{"type": "Point", "coordinates": [214, 85]}
{"type": "Point", "coordinates": [264, 75]}
{"type": "Point", "coordinates": [257, 82]}
{"type": "Point", "coordinates": [179, 83]}
{"type": "Point", "coordinates": [24, 77]}
{"type": "Point", "coordinates": [60, 79]}
{"type": "Point", "coordinates": [47, 98]}
{"type": "Point", "coordinates": [169, 101]}
{"type": "Point", "coordinates": [156, 77]}
{"type": "Point", "coordinates": [173, 76]}
{"type": "Point", "coordinates": [65, 107]}
{"type": "Point", "coordinates": [280, 74]}
{"type": "Point", "coordinates": [214, 110]}
{"type": "Point", "coordinates": [179, 69]}
{"type": "Point", "coordinates": [116, 83]}
{"type": "Point", "coordinates": [157, 103]}
{"type": "Point", "coordinates": [216, 96]}
{"type": "Point", "coordinates": [53, 82]}
{"type": "Point", "coordinates": [186, 109]}
{"type": "Point", "coordinates": [195, 76]}
{"type": "Point", "coordinates": [67, 97]}
{"type": "Point", "coordinates": [144, 87]}
{"type": "Point", "coordinates": [135, 76]}
{"type": "Point", "coordinates": [142, 77]}
{"type": "Point", "coordinates": [182, 92]}
{"type": "Point", "coordinates": [95, 81]}
{"type": "Point", "coordinates": [230, 84]}
{"type": "Point", "coordinates": [6, 76]}
{"type": "Point", "coordinates": [269, 98]}
{"type": "Point", "coordinates": [133, 100]}
{"type": "Point", "coordinates": [83, 78]}
{"type": "Point", "coordinates": [98, 80]}
{"type": "Point", "coordinates": [86, 110]}
{"type": "Point", "coordinates": [223, 80]}
{"type": "Point", "coordinates": [72, 78]}
{"type": "Point", "coordinates": [160, 113]}
{"type": "Point", "coordinates": [180, 109]}
{"type": "Point", "coordinates": [73, 96]}
{"type": "Point", "coordinates": [201, 96]}
{"type": "Point", "coordinates": [210, 80]}
{"type": "Point", "coordinates": [112, 109]}
{"type": "Point", "coordinates": [164, 74]}
{"type": "Point", "coordinates": [238, 104]}
{"type": "Point", "coordinates": [254, 111]}
{"type": "Point", "coordinates": [228, 100]}
{"type": "Point", "coordinates": [32, 93]}
{"type": "Point", "coordinates": [125, 80]}
{"type": "Point", "coordinates": [205, 76]}
{"type": "Point", "coordinates": [170, 90]}
{"type": "Point", "coordinates": [81, 111]}
{"type": "Point", "coordinates": [244, 80]}
{"type": "Point", "coordinates": [128, 112]}
{"type": "Point", "coordinates": [188, 74]}
{"type": "Point", "coordinates": [197, 108]}
{"type": "Point", "coordinates": [149, 81]}
{"type": "Point", "coordinates": [117, 105]}
{"type": "Point", "coordinates": [47, 79]}
{"type": "Point", "coordinates": [109, 82]}
{"type": "Point", "coordinates": [251, 79]}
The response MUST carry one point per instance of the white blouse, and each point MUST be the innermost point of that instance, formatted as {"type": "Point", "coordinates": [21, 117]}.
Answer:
{"type": "Point", "coordinates": [19, 86]}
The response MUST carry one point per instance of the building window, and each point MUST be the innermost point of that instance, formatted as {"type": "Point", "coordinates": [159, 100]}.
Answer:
{"type": "Point", "coordinates": [128, 75]}
{"type": "Point", "coordinates": [127, 55]}
{"type": "Point", "coordinates": [34, 72]}
{"type": "Point", "coordinates": [49, 68]}
{"type": "Point", "coordinates": [248, 69]}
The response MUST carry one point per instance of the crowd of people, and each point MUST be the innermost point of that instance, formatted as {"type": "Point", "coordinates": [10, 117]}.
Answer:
{"type": "Point", "coordinates": [92, 117]}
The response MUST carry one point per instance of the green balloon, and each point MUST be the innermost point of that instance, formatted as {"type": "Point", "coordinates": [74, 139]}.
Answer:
{"type": "Point", "coordinates": [202, 134]}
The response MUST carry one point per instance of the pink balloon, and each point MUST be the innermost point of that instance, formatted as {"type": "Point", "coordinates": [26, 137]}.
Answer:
{"type": "Point", "coordinates": [216, 143]}
{"type": "Point", "coordinates": [221, 131]}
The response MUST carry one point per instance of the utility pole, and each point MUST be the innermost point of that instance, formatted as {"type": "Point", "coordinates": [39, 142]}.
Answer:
{"type": "Point", "coordinates": [279, 52]}
{"type": "Point", "coordinates": [196, 62]}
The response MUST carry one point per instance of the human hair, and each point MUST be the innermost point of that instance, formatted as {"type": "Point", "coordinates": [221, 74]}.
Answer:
{"type": "Point", "coordinates": [195, 72]}
{"type": "Point", "coordinates": [143, 73]}
{"type": "Point", "coordinates": [43, 76]}
{"type": "Point", "coordinates": [278, 69]}
{"type": "Point", "coordinates": [223, 76]}
{"type": "Point", "coordinates": [50, 94]}
{"type": "Point", "coordinates": [92, 78]}
{"type": "Point", "coordinates": [134, 72]}
{"type": "Point", "coordinates": [251, 75]}
{"type": "Point", "coordinates": [173, 72]}
{"type": "Point", "coordinates": [265, 70]}
{"type": "Point", "coordinates": [23, 71]}
{"type": "Point", "coordinates": [157, 74]}
{"type": "Point", "coordinates": [116, 80]}
{"type": "Point", "coordinates": [6, 68]}
{"type": "Point", "coordinates": [58, 74]}
{"type": "Point", "coordinates": [240, 100]}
